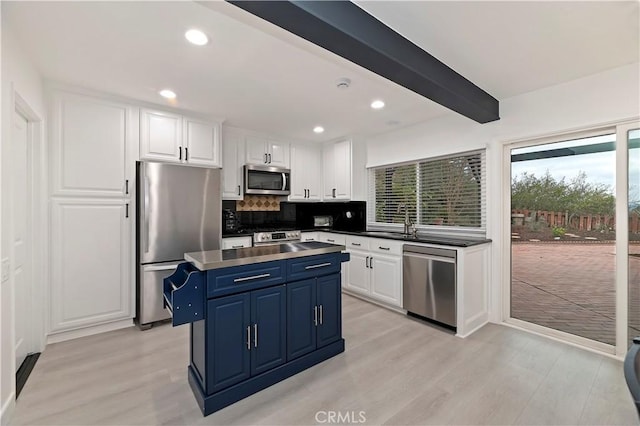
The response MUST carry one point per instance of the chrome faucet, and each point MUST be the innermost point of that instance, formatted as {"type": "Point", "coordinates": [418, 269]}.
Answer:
{"type": "Point", "coordinates": [407, 221]}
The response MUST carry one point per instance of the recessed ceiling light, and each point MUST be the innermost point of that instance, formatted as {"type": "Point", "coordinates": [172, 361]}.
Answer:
{"type": "Point", "coordinates": [318, 129]}
{"type": "Point", "coordinates": [377, 104]}
{"type": "Point", "coordinates": [169, 94]}
{"type": "Point", "coordinates": [196, 37]}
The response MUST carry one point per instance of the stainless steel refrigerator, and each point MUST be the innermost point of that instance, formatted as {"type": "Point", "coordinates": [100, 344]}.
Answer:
{"type": "Point", "coordinates": [178, 210]}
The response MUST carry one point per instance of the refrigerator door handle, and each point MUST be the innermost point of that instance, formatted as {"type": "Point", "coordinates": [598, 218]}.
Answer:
{"type": "Point", "coordinates": [145, 228]}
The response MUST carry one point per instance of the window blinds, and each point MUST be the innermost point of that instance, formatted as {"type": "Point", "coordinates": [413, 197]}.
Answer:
{"type": "Point", "coordinates": [448, 191]}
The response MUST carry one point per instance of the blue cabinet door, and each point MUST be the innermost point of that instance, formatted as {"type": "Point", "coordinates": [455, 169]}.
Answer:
{"type": "Point", "coordinates": [330, 315]}
{"type": "Point", "coordinates": [268, 324]}
{"type": "Point", "coordinates": [301, 327]}
{"type": "Point", "coordinates": [228, 351]}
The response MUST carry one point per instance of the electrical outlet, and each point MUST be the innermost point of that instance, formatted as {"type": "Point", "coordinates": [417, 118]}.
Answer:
{"type": "Point", "coordinates": [5, 270]}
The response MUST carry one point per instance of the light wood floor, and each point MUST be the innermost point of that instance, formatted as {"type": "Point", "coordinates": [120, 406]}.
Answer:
{"type": "Point", "coordinates": [395, 369]}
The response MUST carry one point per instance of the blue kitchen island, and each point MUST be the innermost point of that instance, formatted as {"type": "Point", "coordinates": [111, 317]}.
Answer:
{"type": "Point", "coordinates": [257, 315]}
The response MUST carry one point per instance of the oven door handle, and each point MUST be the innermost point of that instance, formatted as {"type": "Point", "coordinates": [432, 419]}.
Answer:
{"type": "Point", "coordinates": [284, 181]}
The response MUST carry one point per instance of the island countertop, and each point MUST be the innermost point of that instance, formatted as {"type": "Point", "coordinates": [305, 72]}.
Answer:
{"type": "Point", "coordinates": [216, 259]}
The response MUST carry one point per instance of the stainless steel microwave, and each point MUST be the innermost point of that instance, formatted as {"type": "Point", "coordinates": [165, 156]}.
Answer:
{"type": "Point", "coordinates": [266, 180]}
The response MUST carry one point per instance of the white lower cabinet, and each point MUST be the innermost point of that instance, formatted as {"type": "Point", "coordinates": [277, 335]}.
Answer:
{"type": "Point", "coordinates": [386, 278]}
{"type": "Point", "coordinates": [308, 236]}
{"type": "Point", "coordinates": [90, 263]}
{"type": "Point", "coordinates": [236, 242]}
{"type": "Point", "coordinates": [375, 269]}
{"type": "Point", "coordinates": [328, 237]}
{"type": "Point", "coordinates": [358, 276]}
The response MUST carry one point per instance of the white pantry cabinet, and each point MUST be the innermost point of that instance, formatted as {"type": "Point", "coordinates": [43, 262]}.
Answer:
{"type": "Point", "coordinates": [93, 148]}
{"type": "Point", "coordinates": [89, 151]}
{"type": "Point", "coordinates": [266, 151]}
{"type": "Point", "coordinates": [306, 179]}
{"type": "Point", "coordinates": [170, 137]}
{"type": "Point", "coordinates": [90, 262]}
{"type": "Point", "coordinates": [232, 162]}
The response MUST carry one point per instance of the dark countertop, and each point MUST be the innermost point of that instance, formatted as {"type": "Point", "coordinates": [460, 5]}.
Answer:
{"type": "Point", "coordinates": [421, 238]}
{"type": "Point", "coordinates": [439, 239]}
{"type": "Point", "coordinates": [216, 259]}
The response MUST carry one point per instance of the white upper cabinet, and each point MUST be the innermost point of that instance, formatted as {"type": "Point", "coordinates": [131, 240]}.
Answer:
{"type": "Point", "coordinates": [345, 175]}
{"type": "Point", "coordinates": [90, 138]}
{"type": "Point", "coordinates": [160, 136]}
{"type": "Point", "coordinates": [170, 137]}
{"type": "Point", "coordinates": [232, 162]}
{"type": "Point", "coordinates": [337, 171]}
{"type": "Point", "coordinates": [306, 182]}
{"type": "Point", "coordinates": [202, 142]}
{"type": "Point", "coordinates": [265, 151]}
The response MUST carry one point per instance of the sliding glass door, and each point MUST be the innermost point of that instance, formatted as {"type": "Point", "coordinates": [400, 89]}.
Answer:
{"type": "Point", "coordinates": [575, 237]}
{"type": "Point", "coordinates": [563, 236]}
{"type": "Point", "coordinates": [633, 138]}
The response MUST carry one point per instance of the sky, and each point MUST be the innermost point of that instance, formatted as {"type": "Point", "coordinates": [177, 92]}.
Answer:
{"type": "Point", "coordinates": [599, 167]}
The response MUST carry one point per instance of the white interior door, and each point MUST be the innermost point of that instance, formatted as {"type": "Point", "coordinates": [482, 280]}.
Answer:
{"type": "Point", "coordinates": [21, 212]}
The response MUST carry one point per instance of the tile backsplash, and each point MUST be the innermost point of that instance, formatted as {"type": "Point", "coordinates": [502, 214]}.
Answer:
{"type": "Point", "coordinates": [258, 203]}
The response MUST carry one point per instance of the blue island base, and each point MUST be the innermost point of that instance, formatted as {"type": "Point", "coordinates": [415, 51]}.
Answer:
{"type": "Point", "coordinates": [219, 400]}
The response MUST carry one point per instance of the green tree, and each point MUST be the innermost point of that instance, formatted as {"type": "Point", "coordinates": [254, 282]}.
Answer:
{"type": "Point", "coordinates": [575, 197]}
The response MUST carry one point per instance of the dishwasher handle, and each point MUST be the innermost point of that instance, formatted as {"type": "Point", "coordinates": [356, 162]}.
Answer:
{"type": "Point", "coordinates": [429, 257]}
{"type": "Point", "coordinates": [430, 251]}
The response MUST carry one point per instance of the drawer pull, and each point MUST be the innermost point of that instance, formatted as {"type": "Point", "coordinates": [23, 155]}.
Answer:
{"type": "Point", "coordinates": [330, 240]}
{"type": "Point", "coordinates": [356, 244]}
{"type": "Point", "coordinates": [240, 246]}
{"type": "Point", "coordinates": [319, 265]}
{"type": "Point", "coordinates": [253, 277]}
{"type": "Point", "coordinates": [384, 248]}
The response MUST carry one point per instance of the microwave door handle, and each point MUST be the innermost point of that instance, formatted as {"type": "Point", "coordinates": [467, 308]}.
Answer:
{"type": "Point", "coordinates": [284, 181]}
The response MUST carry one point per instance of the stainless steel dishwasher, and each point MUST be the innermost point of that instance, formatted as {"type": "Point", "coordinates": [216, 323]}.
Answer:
{"type": "Point", "coordinates": [429, 283]}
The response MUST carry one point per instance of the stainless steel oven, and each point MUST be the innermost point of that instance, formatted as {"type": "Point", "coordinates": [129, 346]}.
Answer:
{"type": "Point", "coordinates": [266, 180]}
{"type": "Point", "coordinates": [275, 237]}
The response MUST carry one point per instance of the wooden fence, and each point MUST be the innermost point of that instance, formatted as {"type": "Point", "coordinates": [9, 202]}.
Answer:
{"type": "Point", "coordinates": [591, 222]}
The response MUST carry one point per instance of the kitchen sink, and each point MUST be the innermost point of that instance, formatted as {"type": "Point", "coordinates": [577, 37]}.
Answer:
{"type": "Point", "coordinates": [386, 234]}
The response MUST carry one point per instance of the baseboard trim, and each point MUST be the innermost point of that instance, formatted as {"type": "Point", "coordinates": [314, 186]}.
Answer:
{"type": "Point", "coordinates": [374, 302]}
{"type": "Point", "coordinates": [8, 408]}
{"type": "Point", "coordinates": [88, 331]}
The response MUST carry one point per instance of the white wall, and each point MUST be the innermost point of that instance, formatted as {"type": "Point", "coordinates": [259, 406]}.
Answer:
{"type": "Point", "coordinates": [587, 102]}
{"type": "Point", "coordinates": [20, 75]}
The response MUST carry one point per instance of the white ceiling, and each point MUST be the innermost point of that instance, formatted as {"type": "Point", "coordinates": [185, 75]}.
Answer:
{"type": "Point", "coordinates": [258, 76]}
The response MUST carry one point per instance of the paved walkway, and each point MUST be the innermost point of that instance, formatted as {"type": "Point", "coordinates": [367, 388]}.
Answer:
{"type": "Point", "coordinates": [570, 287]}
